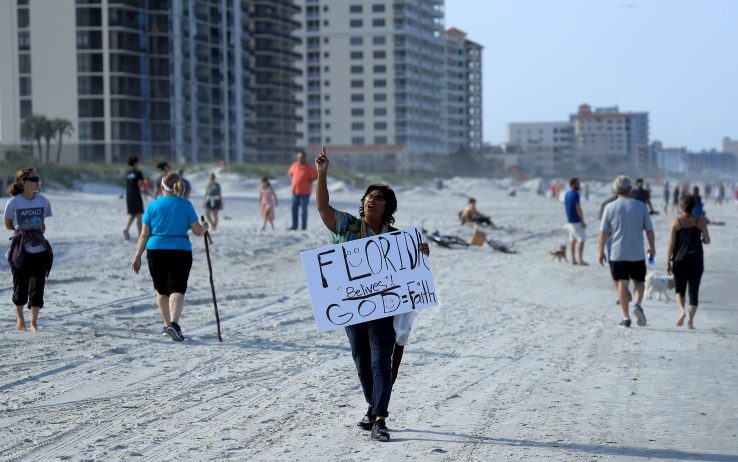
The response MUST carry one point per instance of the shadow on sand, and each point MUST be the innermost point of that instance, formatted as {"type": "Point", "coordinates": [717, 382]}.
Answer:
{"type": "Point", "coordinates": [612, 450]}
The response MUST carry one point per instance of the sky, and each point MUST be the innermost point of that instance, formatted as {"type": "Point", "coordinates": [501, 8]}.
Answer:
{"type": "Point", "coordinates": [675, 59]}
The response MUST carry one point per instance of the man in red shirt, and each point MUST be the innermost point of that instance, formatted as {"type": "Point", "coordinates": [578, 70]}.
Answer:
{"type": "Point", "coordinates": [303, 175]}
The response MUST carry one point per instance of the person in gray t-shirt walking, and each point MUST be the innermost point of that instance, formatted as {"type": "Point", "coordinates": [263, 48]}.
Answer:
{"type": "Point", "coordinates": [623, 222]}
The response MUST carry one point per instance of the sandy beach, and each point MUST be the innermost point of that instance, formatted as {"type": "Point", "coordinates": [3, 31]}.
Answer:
{"type": "Point", "coordinates": [523, 359]}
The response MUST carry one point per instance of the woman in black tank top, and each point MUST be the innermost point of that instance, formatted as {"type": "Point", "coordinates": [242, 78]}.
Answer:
{"type": "Point", "coordinates": [684, 257]}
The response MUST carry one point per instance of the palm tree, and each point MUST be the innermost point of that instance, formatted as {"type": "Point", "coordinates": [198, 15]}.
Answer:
{"type": "Point", "coordinates": [63, 128]}
{"type": "Point", "coordinates": [48, 132]}
{"type": "Point", "coordinates": [32, 128]}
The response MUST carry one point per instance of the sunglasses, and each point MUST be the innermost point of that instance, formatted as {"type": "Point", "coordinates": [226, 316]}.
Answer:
{"type": "Point", "coordinates": [33, 179]}
{"type": "Point", "coordinates": [375, 197]}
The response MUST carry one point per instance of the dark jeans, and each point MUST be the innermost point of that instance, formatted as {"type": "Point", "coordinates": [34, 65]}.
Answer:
{"type": "Point", "coordinates": [30, 280]}
{"type": "Point", "coordinates": [372, 344]}
{"type": "Point", "coordinates": [688, 275]}
{"type": "Point", "coordinates": [300, 200]}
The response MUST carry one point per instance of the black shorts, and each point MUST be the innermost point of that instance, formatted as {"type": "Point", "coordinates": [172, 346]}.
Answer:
{"type": "Point", "coordinates": [169, 270]}
{"type": "Point", "coordinates": [626, 270]}
{"type": "Point", "coordinates": [213, 204]}
{"type": "Point", "coordinates": [134, 204]}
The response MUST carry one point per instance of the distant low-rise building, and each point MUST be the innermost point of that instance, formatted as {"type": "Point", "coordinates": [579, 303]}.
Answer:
{"type": "Point", "coordinates": [608, 136]}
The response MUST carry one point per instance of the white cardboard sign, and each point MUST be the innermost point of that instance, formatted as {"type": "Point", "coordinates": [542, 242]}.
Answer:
{"type": "Point", "coordinates": [367, 279]}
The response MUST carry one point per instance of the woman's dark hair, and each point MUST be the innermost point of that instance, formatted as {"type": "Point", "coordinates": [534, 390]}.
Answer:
{"type": "Point", "coordinates": [687, 203]}
{"type": "Point", "coordinates": [133, 160]}
{"type": "Point", "coordinates": [696, 191]}
{"type": "Point", "coordinates": [390, 202]}
{"type": "Point", "coordinates": [20, 176]}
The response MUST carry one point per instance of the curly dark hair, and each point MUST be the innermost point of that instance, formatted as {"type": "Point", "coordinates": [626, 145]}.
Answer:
{"type": "Point", "coordinates": [390, 202]}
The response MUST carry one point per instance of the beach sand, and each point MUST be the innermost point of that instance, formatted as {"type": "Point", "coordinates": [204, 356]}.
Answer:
{"type": "Point", "coordinates": [523, 360]}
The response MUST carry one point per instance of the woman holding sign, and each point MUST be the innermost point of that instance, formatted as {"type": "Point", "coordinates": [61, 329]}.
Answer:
{"type": "Point", "coordinates": [168, 250]}
{"type": "Point", "coordinates": [372, 342]}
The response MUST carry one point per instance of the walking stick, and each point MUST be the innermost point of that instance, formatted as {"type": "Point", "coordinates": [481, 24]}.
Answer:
{"type": "Point", "coordinates": [208, 241]}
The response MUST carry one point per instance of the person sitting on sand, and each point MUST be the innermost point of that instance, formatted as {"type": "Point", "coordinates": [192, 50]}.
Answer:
{"type": "Point", "coordinates": [470, 215]}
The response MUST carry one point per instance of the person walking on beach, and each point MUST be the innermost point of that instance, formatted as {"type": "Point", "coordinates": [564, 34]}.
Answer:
{"type": "Point", "coordinates": [30, 255]}
{"type": "Point", "coordinates": [699, 206]}
{"type": "Point", "coordinates": [168, 250]}
{"type": "Point", "coordinates": [267, 202]}
{"type": "Point", "coordinates": [373, 342]}
{"type": "Point", "coordinates": [623, 222]}
{"type": "Point", "coordinates": [575, 222]}
{"type": "Point", "coordinates": [684, 256]}
{"type": "Point", "coordinates": [164, 168]}
{"type": "Point", "coordinates": [134, 201]}
{"type": "Point", "coordinates": [675, 199]}
{"type": "Point", "coordinates": [667, 195]}
{"type": "Point", "coordinates": [642, 194]}
{"type": "Point", "coordinates": [303, 175]}
{"type": "Point", "coordinates": [213, 201]}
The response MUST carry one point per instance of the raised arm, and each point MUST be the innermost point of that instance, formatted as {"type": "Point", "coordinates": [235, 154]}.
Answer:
{"type": "Point", "coordinates": [327, 214]}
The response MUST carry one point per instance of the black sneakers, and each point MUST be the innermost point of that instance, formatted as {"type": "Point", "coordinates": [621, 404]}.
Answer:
{"type": "Point", "coordinates": [175, 332]}
{"type": "Point", "coordinates": [367, 422]}
{"type": "Point", "coordinates": [640, 315]}
{"type": "Point", "coordinates": [164, 330]}
{"type": "Point", "coordinates": [379, 431]}
{"type": "Point", "coordinates": [625, 323]}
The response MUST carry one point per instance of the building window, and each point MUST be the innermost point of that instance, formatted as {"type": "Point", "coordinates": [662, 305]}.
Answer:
{"type": "Point", "coordinates": [380, 111]}
{"type": "Point", "coordinates": [357, 84]}
{"type": "Point", "coordinates": [25, 86]}
{"type": "Point", "coordinates": [357, 69]}
{"type": "Point", "coordinates": [380, 140]}
{"type": "Point", "coordinates": [24, 63]}
{"type": "Point", "coordinates": [312, 25]}
{"type": "Point", "coordinates": [356, 23]}
{"type": "Point", "coordinates": [357, 98]}
{"type": "Point", "coordinates": [380, 125]}
{"type": "Point", "coordinates": [23, 20]}
{"type": "Point", "coordinates": [357, 112]}
{"type": "Point", "coordinates": [90, 40]}
{"type": "Point", "coordinates": [93, 85]}
{"type": "Point", "coordinates": [378, 8]}
{"type": "Point", "coordinates": [355, 8]}
{"type": "Point", "coordinates": [91, 108]}
{"type": "Point", "coordinates": [314, 140]}
{"type": "Point", "coordinates": [378, 22]}
{"type": "Point", "coordinates": [89, 17]}
{"type": "Point", "coordinates": [380, 83]}
{"type": "Point", "coordinates": [357, 40]}
{"type": "Point", "coordinates": [379, 40]}
{"type": "Point", "coordinates": [327, 98]}
{"type": "Point", "coordinates": [24, 40]}
{"type": "Point", "coordinates": [380, 69]}
{"type": "Point", "coordinates": [380, 54]}
{"type": "Point", "coordinates": [26, 109]}
{"type": "Point", "coordinates": [357, 140]}
{"type": "Point", "coordinates": [380, 97]}
{"type": "Point", "coordinates": [357, 55]}
{"type": "Point", "coordinates": [357, 126]}
{"type": "Point", "coordinates": [92, 62]}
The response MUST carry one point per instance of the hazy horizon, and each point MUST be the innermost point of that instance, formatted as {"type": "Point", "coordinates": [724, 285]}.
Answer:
{"type": "Point", "coordinates": [674, 60]}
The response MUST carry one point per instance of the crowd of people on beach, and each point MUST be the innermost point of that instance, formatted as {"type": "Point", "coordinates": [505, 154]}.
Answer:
{"type": "Point", "coordinates": [163, 227]}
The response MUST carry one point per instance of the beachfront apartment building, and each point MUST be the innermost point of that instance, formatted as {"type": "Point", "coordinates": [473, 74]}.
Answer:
{"type": "Point", "coordinates": [547, 147]}
{"type": "Point", "coordinates": [729, 146]}
{"type": "Point", "coordinates": [187, 80]}
{"type": "Point", "coordinates": [463, 93]}
{"type": "Point", "coordinates": [373, 81]}
{"type": "Point", "coordinates": [607, 136]}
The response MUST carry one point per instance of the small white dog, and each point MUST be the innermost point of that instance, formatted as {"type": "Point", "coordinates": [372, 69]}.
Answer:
{"type": "Point", "coordinates": [660, 285]}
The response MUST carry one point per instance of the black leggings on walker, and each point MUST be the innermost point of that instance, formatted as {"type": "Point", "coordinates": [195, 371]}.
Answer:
{"type": "Point", "coordinates": [687, 276]}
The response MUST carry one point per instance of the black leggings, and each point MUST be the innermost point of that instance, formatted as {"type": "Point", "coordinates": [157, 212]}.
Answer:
{"type": "Point", "coordinates": [30, 279]}
{"type": "Point", "coordinates": [688, 273]}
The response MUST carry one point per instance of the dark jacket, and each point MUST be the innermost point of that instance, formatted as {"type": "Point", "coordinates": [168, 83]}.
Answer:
{"type": "Point", "coordinates": [18, 243]}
